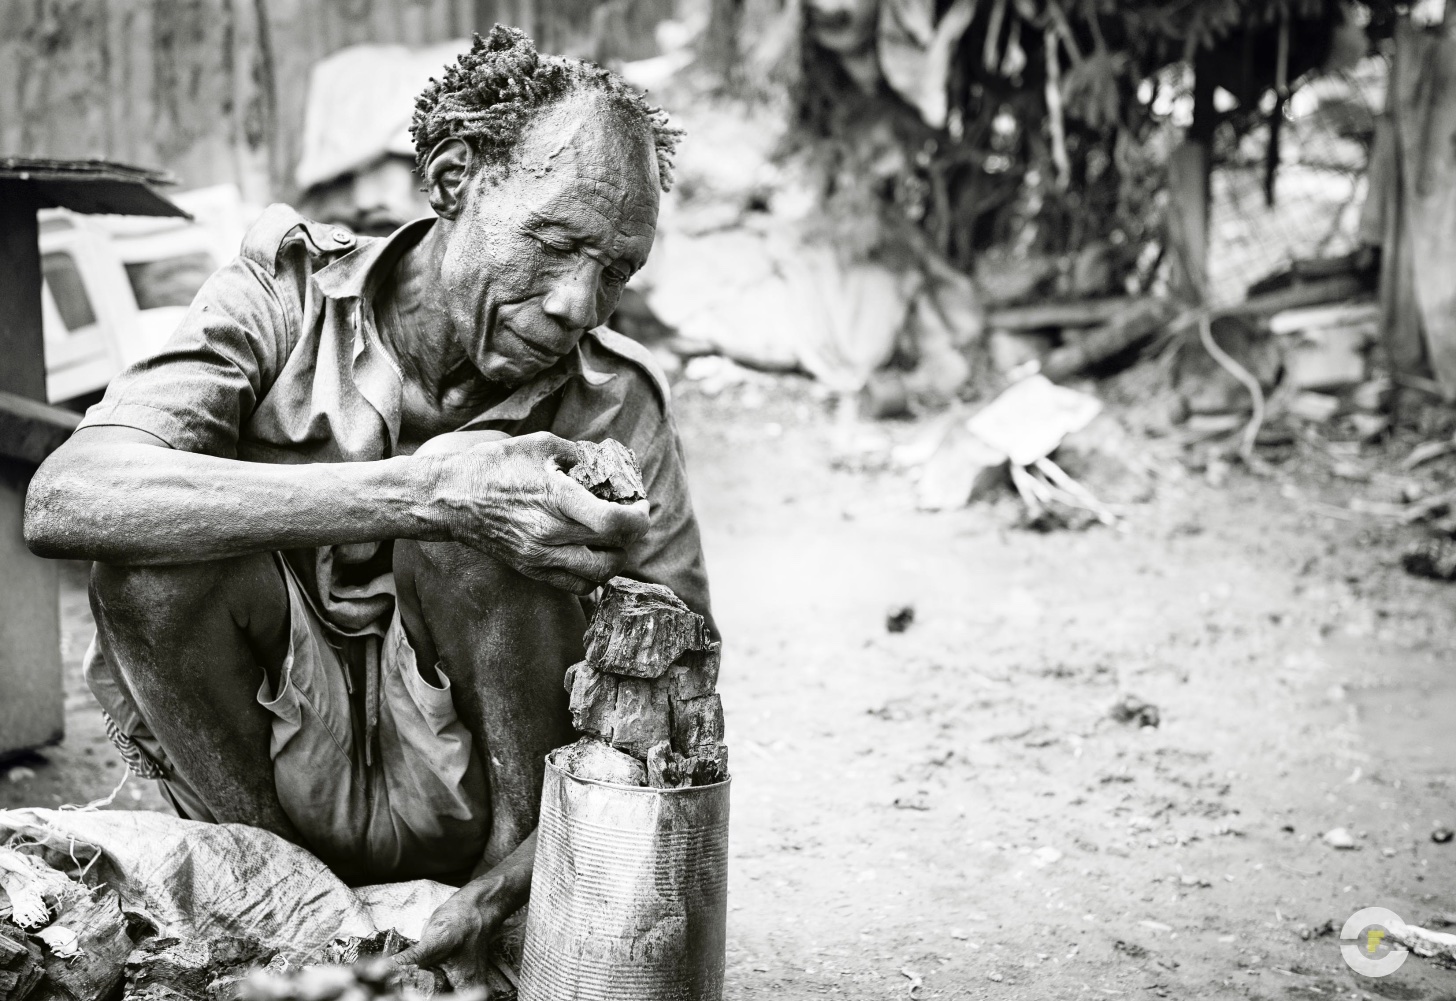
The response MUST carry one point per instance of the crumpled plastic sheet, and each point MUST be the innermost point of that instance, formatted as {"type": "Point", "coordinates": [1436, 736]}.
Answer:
{"type": "Point", "coordinates": [195, 880]}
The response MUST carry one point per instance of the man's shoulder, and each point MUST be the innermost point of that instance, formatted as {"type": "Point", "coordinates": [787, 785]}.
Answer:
{"type": "Point", "coordinates": [281, 228]}
{"type": "Point", "coordinates": [639, 360]}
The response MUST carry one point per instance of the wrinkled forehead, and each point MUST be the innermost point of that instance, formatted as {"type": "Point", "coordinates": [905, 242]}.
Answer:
{"type": "Point", "coordinates": [586, 148]}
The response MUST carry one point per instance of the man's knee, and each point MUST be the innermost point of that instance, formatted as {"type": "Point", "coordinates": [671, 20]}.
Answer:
{"type": "Point", "coordinates": [248, 591]}
{"type": "Point", "coordinates": [458, 441]}
{"type": "Point", "coordinates": [453, 567]}
{"type": "Point", "coordinates": [448, 575]}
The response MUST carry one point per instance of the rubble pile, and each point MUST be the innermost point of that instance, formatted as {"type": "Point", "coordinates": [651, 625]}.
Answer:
{"type": "Point", "coordinates": [1312, 364]}
{"type": "Point", "coordinates": [61, 940]}
{"type": "Point", "coordinates": [1013, 438]}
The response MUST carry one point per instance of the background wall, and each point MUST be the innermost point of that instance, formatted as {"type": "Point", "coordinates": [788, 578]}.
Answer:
{"type": "Point", "coordinates": [214, 90]}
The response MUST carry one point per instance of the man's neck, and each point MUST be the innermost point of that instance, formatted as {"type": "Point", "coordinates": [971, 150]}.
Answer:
{"type": "Point", "coordinates": [423, 339]}
{"type": "Point", "coordinates": [442, 387]}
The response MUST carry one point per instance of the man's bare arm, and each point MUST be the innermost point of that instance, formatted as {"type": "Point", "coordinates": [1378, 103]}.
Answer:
{"type": "Point", "coordinates": [118, 495]}
{"type": "Point", "coordinates": [459, 935]}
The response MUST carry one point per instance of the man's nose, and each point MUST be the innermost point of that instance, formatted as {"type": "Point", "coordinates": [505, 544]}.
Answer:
{"type": "Point", "coordinates": [572, 301]}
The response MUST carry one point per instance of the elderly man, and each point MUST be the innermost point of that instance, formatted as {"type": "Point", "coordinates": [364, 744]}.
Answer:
{"type": "Point", "coordinates": [337, 559]}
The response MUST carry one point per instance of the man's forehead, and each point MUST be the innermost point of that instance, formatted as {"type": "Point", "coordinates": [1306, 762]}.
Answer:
{"type": "Point", "coordinates": [591, 209]}
{"type": "Point", "coordinates": [577, 164]}
{"type": "Point", "coordinates": [583, 125]}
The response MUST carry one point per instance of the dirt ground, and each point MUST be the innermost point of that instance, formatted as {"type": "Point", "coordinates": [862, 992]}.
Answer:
{"type": "Point", "coordinates": [949, 812]}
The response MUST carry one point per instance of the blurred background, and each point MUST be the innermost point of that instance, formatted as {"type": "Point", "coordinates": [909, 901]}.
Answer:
{"type": "Point", "coordinates": [928, 159]}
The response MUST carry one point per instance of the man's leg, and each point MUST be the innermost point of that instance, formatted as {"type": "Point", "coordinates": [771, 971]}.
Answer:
{"type": "Point", "coordinates": [505, 641]}
{"type": "Point", "coordinates": [190, 644]}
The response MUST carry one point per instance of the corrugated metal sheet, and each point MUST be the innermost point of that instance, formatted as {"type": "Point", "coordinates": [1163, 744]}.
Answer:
{"type": "Point", "coordinates": [215, 89]}
{"type": "Point", "coordinates": [91, 186]}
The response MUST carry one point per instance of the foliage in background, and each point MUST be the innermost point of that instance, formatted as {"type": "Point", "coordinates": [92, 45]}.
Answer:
{"type": "Point", "coordinates": [1060, 119]}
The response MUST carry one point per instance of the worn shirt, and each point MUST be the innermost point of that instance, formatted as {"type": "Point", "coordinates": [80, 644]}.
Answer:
{"type": "Point", "coordinates": [279, 359]}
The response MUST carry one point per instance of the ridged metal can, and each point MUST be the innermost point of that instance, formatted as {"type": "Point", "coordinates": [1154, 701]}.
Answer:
{"type": "Point", "coordinates": [629, 899]}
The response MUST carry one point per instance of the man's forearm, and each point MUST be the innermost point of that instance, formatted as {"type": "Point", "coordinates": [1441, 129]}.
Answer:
{"type": "Point", "coordinates": [507, 884]}
{"type": "Point", "coordinates": [137, 504]}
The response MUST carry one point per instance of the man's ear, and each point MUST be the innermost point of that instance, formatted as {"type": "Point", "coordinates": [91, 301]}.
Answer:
{"type": "Point", "coordinates": [446, 173]}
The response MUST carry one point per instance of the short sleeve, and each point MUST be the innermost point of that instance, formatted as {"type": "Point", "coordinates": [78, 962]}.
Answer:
{"type": "Point", "coordinates": [197, 393]}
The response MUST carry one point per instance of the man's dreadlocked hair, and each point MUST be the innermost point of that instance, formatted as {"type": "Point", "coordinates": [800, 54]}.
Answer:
{"type": "Point", "coordinates": [492, 91]}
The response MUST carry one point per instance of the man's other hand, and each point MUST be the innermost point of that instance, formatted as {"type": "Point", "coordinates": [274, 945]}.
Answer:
{"type": "Point", "coordinates": [457, 938]}
{"type": "Point", "coordinates": [511, 498]}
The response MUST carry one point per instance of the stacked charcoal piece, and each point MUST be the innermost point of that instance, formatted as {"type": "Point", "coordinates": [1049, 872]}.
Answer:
{"type": "Point", "coordinates": [644, 695]}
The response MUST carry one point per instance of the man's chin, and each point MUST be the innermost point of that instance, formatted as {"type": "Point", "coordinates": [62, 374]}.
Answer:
{"type": "Point", "coordinates": [514, 372]}
{"type": "Point", "coordinates": [512, 359]}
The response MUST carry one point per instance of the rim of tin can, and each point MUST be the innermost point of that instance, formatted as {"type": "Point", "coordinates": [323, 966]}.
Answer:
{"type": "Point", "coordinates": [638, 789]}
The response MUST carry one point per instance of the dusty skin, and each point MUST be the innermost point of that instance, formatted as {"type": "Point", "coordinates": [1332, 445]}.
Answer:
{"type": "Point", "coordinates": [897, 798]}
{"type": "Point", "coordinates": [493, 537]}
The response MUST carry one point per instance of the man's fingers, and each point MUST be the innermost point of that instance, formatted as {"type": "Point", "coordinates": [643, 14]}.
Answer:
{"type": "Point", "coordinates": [561, 579]}
{"type": "Point", "coordinates": [612, 524]}
{"type": "Point", "coordinates": [422, 953]}
{"type": "Point", "coordinates": [570, 583]}
{"type": "Point", "coordinates": [562, 453]}
{"type": "Point", "coordinates": [591, 566]}
{"type": "Point", "coordinates": [626, 523]}
{"type": "Point", "coordinates": [620, 526]}
{"type": "Point", "coordinates": [575, 568]}
{"type": "Point", "coordinates": [468, 974]}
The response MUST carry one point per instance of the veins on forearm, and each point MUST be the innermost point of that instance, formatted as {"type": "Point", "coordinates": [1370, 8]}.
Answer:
{"type": "Point", "coordinates": [142, 505]}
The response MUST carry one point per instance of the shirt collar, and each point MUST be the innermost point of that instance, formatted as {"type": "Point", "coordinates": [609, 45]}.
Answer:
{"type": "Point", "coordinates": [576, 364]}
{"type": "Point", "coordinates": [358, 273]}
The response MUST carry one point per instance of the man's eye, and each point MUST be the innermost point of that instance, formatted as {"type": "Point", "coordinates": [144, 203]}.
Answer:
{"type": "Point", "coordinates": [616, 277]}
{"type": "Point", "coordinates": [557, 249]}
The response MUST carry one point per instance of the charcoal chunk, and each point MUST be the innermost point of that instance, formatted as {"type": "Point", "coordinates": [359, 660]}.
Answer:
{"type": "Point", "coordinates": [710, 766]}
{"type": "Point", "coordinates": [351, 949]}
{"type": "Point", "coordinates": [21, 967]}
{"type": "Point", "coordinates": [103, 945]}
{"type": "Point", "coordinates": [170, 969]}
{"type": "Point", "coordinates": [641, 717]}
{"type": "Point", "coordinates": [593, 760]}
{"type": "Point", "coordinates": [1433, 558]}
{"type": "Point", "coordinates": [695, 673]}
{"type": "Point", "coordinates": [666, 769]}
{"type": "Point", "coordinates": [593, 700]}
{"type": "Point", "coordinates": [697, 726]}
{"type": "Point", "coordinates": [640, 630]}
{"type": "Point", "coordinates": [609, 471]}
{"type": "Point", "coordinates": [631, 714]}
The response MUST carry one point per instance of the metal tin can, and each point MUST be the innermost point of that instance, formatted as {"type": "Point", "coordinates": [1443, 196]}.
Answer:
{"type": "Point", "coordinates": [629, 899]}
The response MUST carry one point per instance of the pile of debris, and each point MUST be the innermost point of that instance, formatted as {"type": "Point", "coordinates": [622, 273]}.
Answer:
{"type": "Point", "coordinates": [1279, 368]}
{"type": "Point", "coordinates": [1012, 440]}
{"type": "Point", "coordinates": [61, 940]}
{"type": "Point", "coordinates": [1064, 338]}
{"type": "Point", "coordinates": [1311, 366]}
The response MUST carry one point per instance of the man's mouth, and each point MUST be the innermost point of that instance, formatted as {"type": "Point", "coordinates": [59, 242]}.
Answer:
{"type": "Point", "coordinates": [532, 348]}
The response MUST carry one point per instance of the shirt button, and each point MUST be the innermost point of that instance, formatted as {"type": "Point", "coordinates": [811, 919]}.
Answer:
{"type": "Point", "coordinates": [343, 236]}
